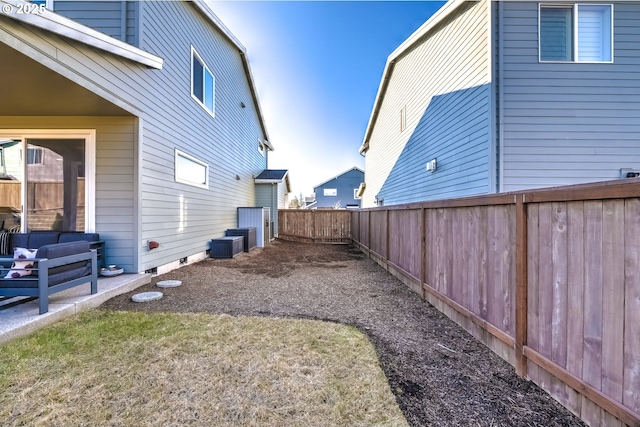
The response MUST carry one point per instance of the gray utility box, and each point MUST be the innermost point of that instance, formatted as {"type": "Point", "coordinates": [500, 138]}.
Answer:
{"type": "Point", "coordinates": [260, 218]}
{"type": "Point", "coordinates": [226, 247]}
{"type": "Point", "coordinates": [248, 234]}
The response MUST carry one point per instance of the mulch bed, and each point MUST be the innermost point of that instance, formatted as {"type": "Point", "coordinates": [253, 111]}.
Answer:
{"type": "Point", "coordinates": [440, 375]}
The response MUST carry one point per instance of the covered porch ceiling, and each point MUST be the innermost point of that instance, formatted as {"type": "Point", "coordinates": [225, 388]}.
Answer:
{"type": "Point", "coordinates": [31, 89]}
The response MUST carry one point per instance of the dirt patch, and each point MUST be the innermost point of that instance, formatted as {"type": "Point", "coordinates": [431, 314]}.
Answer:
{"type": "Point", "coordinates": [440, 375]}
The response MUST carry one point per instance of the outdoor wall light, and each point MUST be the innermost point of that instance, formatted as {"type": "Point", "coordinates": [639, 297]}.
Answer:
{"type": "Point", "coordinates": [242, 104]}
{"type": "Point", "coordinates": [152, 244]}
{"type": "Point", "coordinates": [431, 166]}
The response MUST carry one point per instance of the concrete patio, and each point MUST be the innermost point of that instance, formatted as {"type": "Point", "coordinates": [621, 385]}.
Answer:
{"type": "Point", "coordinates": [23, 319]}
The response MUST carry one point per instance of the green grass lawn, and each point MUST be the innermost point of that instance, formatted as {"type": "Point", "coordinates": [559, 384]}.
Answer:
{"type": "Point", "coordinates": [105, 368]}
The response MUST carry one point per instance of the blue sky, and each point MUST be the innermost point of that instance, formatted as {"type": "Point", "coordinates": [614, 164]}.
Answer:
{"type": "Point", "coordinates": [317, 67]}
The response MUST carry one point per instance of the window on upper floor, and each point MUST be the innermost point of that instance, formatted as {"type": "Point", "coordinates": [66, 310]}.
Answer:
{"type": "Point", "coordinates": [330, 192]}
{"type": "Point", "coordinates": [35, 155]}
{"type": "Point", "coordinates": [576, 33]}
{"type": "Point", "coordinates": [202, 83]}
{"type": "Point", "coordinates": [355, 193]}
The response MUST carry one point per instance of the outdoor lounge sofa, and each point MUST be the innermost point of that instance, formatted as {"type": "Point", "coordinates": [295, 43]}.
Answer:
{"type": "Point", "coordinates": [37, 239]}
{"type": "Point", "coordinates": [56, 267]}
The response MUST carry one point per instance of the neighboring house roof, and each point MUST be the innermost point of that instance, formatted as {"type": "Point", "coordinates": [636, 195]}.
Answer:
{"type": "Point", "coordinates": [274, 176]}
{"type": "Point", "coordinates": [413, 39]}
{"type": "Point", "coordinates": [338, 176]}
{"type": "Point", "coordinates": [63, 26]}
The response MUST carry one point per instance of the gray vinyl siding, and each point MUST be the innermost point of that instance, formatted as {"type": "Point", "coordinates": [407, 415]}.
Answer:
{"type": "Point", "coordinates": [114, 18]}
{"type": "Point", "coordinates": [226, 143]}
{"type": "Point", "coordinates": [267, 196]}
{"type": "Point", "coordinates": [182, 218]}
{"type": "Point", "coordinates": [567, 123]}
{"type": "Point", "coordinates": [444, 84]}
{"type": "Point", "coordinates": [115, 181]}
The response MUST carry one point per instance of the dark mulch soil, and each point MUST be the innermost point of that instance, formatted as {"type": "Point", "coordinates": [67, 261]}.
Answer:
{"type": "Point", "coordinates": [440, 375]}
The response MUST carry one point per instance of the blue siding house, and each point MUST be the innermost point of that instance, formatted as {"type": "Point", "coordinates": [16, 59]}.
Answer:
{"type": "Point", "coordinates": [340, 191]}
{"type": "Point", "coordinates": [489, 97]}
{"type": "Point", "coordinates": [153, 110]}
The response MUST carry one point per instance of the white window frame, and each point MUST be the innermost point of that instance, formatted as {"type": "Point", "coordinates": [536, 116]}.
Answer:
{"type": "Point", "coordinates": [261, 148]}
{"type": "Point", "coordinates": [181, 179]}
{"type": "Point", "coordinates": [205, 70]}
{"type": "Point", "coordinates": [355, 194]}
{"type": "Point", "coordinates": [575, 42]}
{"type": "Point", "coordinates": [330, 192]}
{"type": "Point", "coordinates": [35, 156]}
{"type": "Point", "coordinates": [89, 135]}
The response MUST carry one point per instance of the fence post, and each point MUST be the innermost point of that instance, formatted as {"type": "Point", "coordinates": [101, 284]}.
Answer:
{"type": "Point", "coordinates": [423, 253]}
{"type": "Point", "coordinates": [386, 255]}
{"type": "Point", "coordinates": [521, 285]}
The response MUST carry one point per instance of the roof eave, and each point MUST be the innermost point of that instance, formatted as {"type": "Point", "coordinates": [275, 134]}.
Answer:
{"type": "Point", "coordinates": [204, 8]}
{"type": "Point", "coordinates": [337, 176]}
{"type": "Point", "coordinates": [437, 17]}
{"type": "Point", "coordinates": [63, 26]}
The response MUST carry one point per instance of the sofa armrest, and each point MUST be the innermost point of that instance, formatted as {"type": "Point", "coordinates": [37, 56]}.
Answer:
{"type": "Point", "coordinates": [98, 245]}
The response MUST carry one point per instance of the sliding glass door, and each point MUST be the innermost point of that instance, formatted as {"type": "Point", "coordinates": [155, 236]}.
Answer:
{"type": "Point", "coordinates": [44, 184]}
{"type": "Point", "coordinates": [55, 184]}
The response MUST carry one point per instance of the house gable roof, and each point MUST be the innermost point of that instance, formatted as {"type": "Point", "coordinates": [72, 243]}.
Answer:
{"type": "Point", "coordinates": [63, 26]}
{"type": "Point", "coordinates": [338, 176]}
{"type": "Point", "coordinates": [413, 39]}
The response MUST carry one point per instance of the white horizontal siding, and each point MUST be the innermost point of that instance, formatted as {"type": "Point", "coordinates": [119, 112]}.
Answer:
{"type": "Point", "coordinates": [569, 123]}
{"type": "Point", "coordinates": [441, 81]}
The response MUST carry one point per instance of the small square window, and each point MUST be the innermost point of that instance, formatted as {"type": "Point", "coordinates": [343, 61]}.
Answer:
{"type": "Point", "coordinates": [580, 33]}
{"type": "Point", "coordinates": [203, 83]}
{"type": "Point", "coordinates": [35, 156]}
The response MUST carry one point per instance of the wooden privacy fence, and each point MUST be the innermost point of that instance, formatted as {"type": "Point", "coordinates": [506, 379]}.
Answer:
{"type": "Point", "coordinates": [548, 279]}
{"type": "Point", "coordinates": [319, 226]}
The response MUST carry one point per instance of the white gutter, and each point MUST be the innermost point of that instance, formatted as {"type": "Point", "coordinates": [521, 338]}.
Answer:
{"type": "Point", "coordinates": [58, 24]}
{"type": "Point", "coordinates": [413, 39]}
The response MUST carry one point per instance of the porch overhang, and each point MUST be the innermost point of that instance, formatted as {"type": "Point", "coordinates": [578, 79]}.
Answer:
{"type": "Point", "coordinates": [63, 26]}
{"type": "Point", "coordinates": [32, 89]}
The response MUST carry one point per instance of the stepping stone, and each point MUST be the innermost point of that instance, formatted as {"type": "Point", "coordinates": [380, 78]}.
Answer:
{"type": "Point", "coordinates": [146, 296]}
{"type": "Point", "coordinates": [169, 283]}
